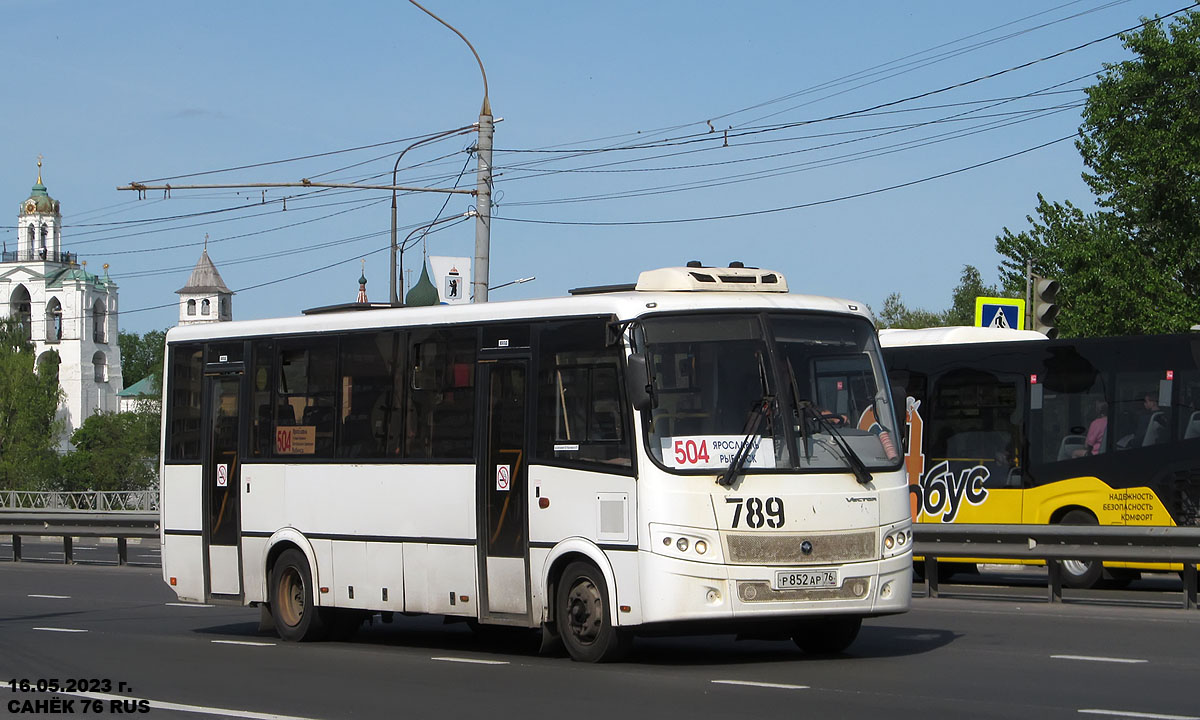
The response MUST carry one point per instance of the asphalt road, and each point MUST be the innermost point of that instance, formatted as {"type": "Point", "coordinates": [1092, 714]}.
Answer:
{"type": "Point", "coordinates": [119, 629]}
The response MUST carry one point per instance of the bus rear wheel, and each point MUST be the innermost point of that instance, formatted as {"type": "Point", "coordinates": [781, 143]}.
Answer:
{"type": "Point", "coordinates": [1080, 573]}
{"type": "Point", "coordinates": [584, 616]}
{"type": "Point", "coordinates": [296, 615]}
{"type": "Point", "coordinates": [827, 635]}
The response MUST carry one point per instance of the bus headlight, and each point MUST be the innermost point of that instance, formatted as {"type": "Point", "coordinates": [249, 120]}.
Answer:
{"type": "Point", "coordinates": [896, 539]}
{"type": "Point", "coordinates": [685, 543]}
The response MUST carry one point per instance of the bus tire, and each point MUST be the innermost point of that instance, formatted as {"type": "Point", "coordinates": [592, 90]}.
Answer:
{"type": "Point", "coordinates": [293, 606]}
{"type": "Point", "coordinates": [584, 617]}
{"type": "Point", "coordinates": [827, 635]}
{"type": "Point", "coordinates": [1081, 574]}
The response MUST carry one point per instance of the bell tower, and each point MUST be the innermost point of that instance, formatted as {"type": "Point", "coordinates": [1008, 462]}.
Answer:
{"type": "Point", "coordinates": [65, 310]}
{"type": "Point", "coordinates": [205, 298]}
{"type": "Point", "coordinates": [39, 227]}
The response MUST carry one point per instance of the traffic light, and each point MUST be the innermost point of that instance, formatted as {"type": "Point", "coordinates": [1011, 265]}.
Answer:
{"type": "Point", "coordinates": [1045, 307]}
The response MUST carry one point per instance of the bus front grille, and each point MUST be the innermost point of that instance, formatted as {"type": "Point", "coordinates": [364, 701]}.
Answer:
{"type": "Point", "coordinates": [789, 548]}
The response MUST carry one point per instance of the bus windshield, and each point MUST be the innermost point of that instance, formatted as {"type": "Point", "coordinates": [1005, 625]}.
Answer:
{"type": "Point", "coordinates": [811, 377]}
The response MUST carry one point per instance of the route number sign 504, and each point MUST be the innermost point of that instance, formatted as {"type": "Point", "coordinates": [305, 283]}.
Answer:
{"type": "Point", "coordinates": [690, 452]}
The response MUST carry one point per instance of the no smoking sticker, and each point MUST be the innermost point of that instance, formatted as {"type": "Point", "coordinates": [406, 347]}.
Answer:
{"type": "Point", "coordinates": [502, 478]}
{"type": "Point", "coordinates": [222, 475]}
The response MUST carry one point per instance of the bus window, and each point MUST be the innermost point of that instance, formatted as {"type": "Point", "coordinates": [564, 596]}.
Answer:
{"type": "Point", "coordinates": [976, 421]}
{"type": "Point", "coordinates": [1142, 412]}
{"type": "Point", "coordinates": [369, 413]}
{"type": "Point", "coordinates": [1074, 410]}
{"type": "Point", "coordinates": [305, 397]}
{"type": "Point", "coordinates": [1188, 406]}
{"type": "Point", "coordinates": [440, 410]}
{"type": "Point", "coordinates": [187, 370]}
{"type": "Point", "coordinates": [579, 398]}
{"type": "Point", "coordinates": [262, 434]}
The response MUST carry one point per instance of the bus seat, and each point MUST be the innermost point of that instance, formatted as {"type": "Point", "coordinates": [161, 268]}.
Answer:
{"type": "Point", "coordinates": [285, 414]}
{"type": "Point", "coordinates": [1071, 445]}
{"type": "Point", "coordinates": [1154, 431]}
{"type": "Point", "coordinates": [1193, 427]}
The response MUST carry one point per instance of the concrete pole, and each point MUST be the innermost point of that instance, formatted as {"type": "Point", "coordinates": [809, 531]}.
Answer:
{"type": "Point", "coordinates": [392, 297]}
{"type": "Point", "coordinates": [483, 208]}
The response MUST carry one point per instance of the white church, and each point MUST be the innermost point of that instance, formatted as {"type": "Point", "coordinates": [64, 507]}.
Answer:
{"type": "Point", "coordinates": [64, 307]}
{"type": "Point", "coordinates": [73, 312]}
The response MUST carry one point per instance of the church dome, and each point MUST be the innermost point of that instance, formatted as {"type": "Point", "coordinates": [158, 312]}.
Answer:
{"type": "Point", "coordinates": [423, 293]}
{"type": "Point", "coordinates": [39, 201]}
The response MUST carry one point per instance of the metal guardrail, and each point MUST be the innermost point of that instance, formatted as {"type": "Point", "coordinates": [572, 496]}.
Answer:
{"type": "Point", "coordinates": [933, 542]}
{"type": "Point", "coordinates": [95, 500]}
{"type": "Point", "coordinates": [1059, 542]}
{"type": "Point", "coordinates": [121, 525]}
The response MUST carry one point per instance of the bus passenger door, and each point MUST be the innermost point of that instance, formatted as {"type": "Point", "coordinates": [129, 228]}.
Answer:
{"type": "Point", "coordinates": [222, 471]}
{"type": "Point", "coordinates": [502, 473]}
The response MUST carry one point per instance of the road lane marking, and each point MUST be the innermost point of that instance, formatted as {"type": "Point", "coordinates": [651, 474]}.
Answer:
{"type": "Point", "coordinates": [471, 660]}
{"type": "Point", "coordinates": [1132, 714]}
{"type": "Point", "coordinates": [188, 605]}
{"type": "Point", "coordinates": [244, 642]}
{"type": "Point", "coordinates": [1090, 658]}
{"type": "Point", "coordinates": [198, 709]}
{"type": "Point", "coordinates": [50, 629]}
{"type": "Point", "coordinates": [51, 597]}
{"type": "Point", "coordinates": [752, 683]}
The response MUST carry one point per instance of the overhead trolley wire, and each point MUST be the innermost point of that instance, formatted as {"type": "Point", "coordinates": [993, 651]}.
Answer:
{"type": "Point", "coordinates": [767, 211]}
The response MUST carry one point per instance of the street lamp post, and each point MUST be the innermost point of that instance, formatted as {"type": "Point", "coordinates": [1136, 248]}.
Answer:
{"type": "Point", "coordinates": [395, 299]}
{"type": "Point", "coordinates": [404, 245]}
{"type": "Point", "coordinates": [483, 200]}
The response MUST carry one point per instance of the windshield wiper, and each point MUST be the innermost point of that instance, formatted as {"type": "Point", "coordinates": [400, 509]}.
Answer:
{"type": "Point", "coordinates": [760, 411]}
{"type": "Point", "coordinates": [852, 459]}
{"type": "Point", "coordinates": [800, 426]}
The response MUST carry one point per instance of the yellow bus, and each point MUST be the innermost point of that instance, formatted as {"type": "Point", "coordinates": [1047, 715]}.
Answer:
{"type": "Point", "coordinates": [1008, 427]}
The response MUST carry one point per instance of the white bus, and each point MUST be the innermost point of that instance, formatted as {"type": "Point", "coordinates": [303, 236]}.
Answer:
{"type": "Point", "coordinates": [700, 452]}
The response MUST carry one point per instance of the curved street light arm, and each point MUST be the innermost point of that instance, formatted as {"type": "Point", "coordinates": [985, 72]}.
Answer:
{"type": "Point", "coordinates": [395, 298]}
{"type": "Point", "coordinates": [487, 106]}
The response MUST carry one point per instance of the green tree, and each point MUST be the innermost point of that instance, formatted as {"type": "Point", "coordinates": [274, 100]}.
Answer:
{"type": "Point", "coordinates": [113, 451]}
{"type": "Point", "coordinates": [1134, 266]}
{"type": "Point", "coordinates": [142, 355]}
{"type": "Point", "coordinates": [29, 400]}
{"type": "Point", "coordinates": [962, 303]}
{"type": "Point", "coordinates": [1108, 287]}
{"type": "Point", "coordinates": [896, 314]}
{"type": "Point", "coordinates": [1140, 140]}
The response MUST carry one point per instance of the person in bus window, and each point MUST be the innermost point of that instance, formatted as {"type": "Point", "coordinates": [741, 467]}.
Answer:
{"type": "Point", "coordinates": [1150, 424]}
{"type": "Point", "coordinates": [1093, 443]}
{"type": "Point", "coordinates": [1098, 429]}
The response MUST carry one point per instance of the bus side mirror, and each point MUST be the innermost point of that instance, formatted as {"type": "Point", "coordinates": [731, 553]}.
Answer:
{"type": "Point", "coordinates": [900, 407]}
{"type": "Point", "coordinates": [637, 382]}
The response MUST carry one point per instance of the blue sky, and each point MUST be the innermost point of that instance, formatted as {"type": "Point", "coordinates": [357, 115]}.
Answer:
{"type": "Point", "coordinates": [621, 94]}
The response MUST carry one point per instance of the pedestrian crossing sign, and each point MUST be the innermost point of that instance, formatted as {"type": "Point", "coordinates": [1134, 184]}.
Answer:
{"type": "Point", "coordinates": [1000, 313]}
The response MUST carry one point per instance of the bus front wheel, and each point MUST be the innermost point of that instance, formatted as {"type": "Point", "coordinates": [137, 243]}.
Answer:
{"type": "Point", "coordinates": [1080, 573]}
{"type": "Point", "coordinates": [584, 616]}
{"type": "Point", "coordinates": [827, 635]}
{"type": "Point", "coordinates": [297, 617]}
